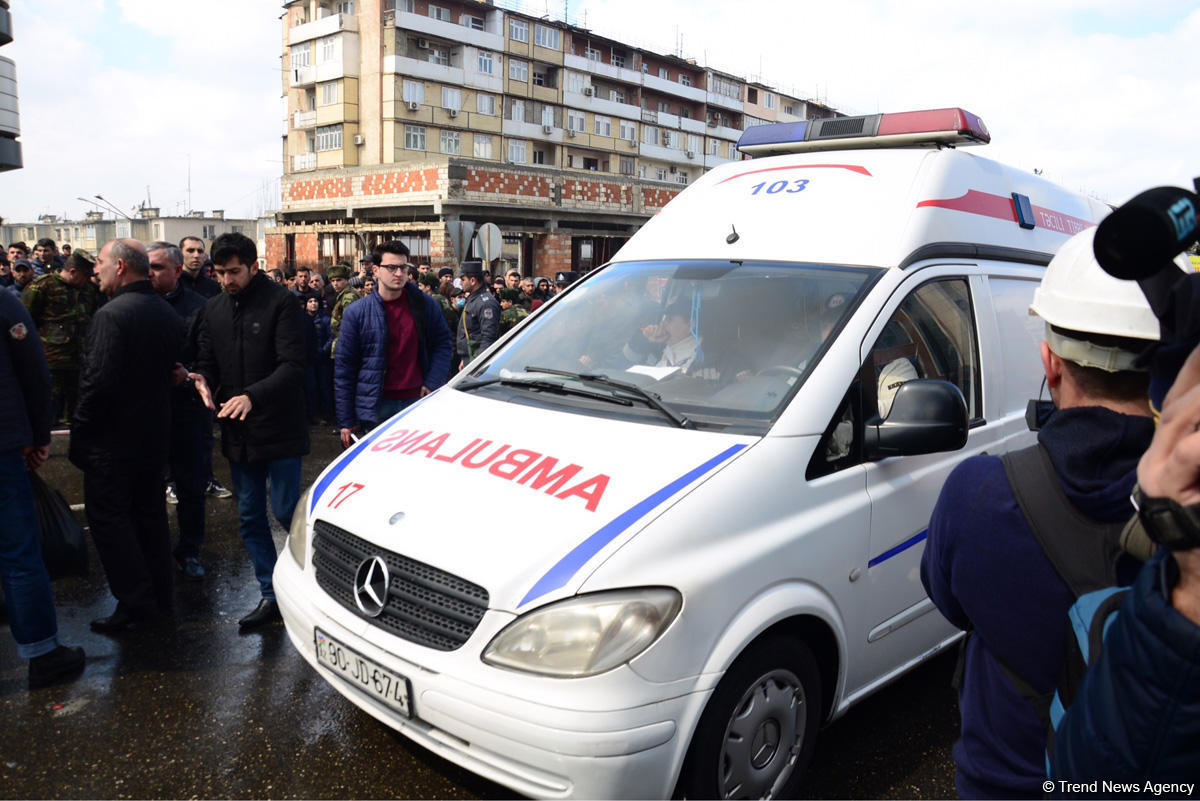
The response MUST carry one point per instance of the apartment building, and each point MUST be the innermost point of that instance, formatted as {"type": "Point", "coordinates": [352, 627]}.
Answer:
{"type": "Point", "coordinates": [94, 230]}
{"type": "Point", "coordinates": [10, 118]}
{"type": "Point", "coordinates": [411, 118]}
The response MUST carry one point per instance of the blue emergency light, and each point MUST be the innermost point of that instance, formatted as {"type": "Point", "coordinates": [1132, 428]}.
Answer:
{"type": "Point", "coordinates": [944, 126]}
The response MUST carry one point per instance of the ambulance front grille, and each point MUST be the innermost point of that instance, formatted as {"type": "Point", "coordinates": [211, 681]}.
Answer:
{"type": "Point", "coordinates": [424, 605]}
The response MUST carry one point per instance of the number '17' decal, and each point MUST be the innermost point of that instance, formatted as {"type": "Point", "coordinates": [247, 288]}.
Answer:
{"type": "Point", "coordinates": [342, 495]}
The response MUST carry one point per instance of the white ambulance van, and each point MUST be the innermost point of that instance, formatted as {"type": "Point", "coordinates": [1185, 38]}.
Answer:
{"type": "Point", "coordinates": [655, 537]}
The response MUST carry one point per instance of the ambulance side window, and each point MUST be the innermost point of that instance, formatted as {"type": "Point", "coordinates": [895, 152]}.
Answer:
{"type": "Point", "coordinates": [931, 335]}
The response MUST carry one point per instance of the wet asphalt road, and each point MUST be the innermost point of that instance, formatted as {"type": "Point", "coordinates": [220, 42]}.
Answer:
{"type": "Point", "coordinates": [201, 711]}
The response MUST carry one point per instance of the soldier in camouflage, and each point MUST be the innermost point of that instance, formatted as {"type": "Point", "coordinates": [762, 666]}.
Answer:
{"type": "Point", "coordinates": [61, 305]}
{"type": "Point", "coordinates": [339, 278]}
{"type": "Point", "coordinates": [511, 312]}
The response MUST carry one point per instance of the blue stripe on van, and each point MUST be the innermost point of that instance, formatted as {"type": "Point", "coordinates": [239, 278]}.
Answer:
{"type": "Point", "coordinates": [358, 448]}
{"type": "Point", "coordinates": [570, 564]}
{"type": "Point", "coordinates": [904, 546]}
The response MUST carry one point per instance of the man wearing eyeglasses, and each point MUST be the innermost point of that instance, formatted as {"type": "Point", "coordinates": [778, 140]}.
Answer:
{"type": "Point", "coordinates": [393, 347]}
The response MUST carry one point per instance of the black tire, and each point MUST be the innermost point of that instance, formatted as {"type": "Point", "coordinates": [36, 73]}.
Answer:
{"type": "Point", "coordinates": [759, 728]}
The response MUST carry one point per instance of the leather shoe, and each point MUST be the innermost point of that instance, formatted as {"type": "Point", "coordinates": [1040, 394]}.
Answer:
{"type": "Point", "coordinates": [123, 619]}
{"type": "Point", "coordinates": [64, 662]}
{"type": "Point", "coordinates": [266, 612]}
{"type": "Point", "coordinates": [191, 568]}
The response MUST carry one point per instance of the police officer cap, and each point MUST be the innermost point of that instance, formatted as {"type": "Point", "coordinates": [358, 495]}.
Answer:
{"type": "Point", "coordinates": [339, 271]}
{"type": "Point", "coordinates": [82, 261]}
{"type": "Point", "coordinates": [471, 269]}
{"type": "Point", "coordinates": [564, 277]}
{"type": "Point", "coordinates": [510, 294]}
{"type": "Point", "coordinates": [445, 271]}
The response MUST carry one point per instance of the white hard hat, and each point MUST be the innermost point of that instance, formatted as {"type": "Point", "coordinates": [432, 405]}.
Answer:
{"type": "Point", "coordinates": [893, 375]}
{"type": "Point", "coordinates": [1078, 295]}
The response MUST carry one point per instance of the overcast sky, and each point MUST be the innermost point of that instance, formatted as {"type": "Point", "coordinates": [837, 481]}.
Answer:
{"type": "Point", "coordinates": [116, 96]}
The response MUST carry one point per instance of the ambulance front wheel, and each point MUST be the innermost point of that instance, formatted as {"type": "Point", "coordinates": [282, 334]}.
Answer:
{"type": "Point", "coordinates": [758, 731]}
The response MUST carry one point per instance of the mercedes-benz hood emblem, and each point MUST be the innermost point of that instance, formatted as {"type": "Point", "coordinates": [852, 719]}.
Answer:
{"type": "Point", "coordinates": [371, 586]}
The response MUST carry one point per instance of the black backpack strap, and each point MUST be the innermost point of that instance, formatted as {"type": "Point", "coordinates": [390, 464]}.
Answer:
{"type": "Point", "coordinates": [1069, 538]}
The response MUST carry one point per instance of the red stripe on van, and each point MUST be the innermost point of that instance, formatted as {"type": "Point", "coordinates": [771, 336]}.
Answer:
{"type": "Point", "coordinates": [1003, 208]}
{"type": "Point", "coordinates": [851, 167]}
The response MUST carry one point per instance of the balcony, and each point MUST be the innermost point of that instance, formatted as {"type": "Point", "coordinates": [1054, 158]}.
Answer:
{"type": "Point", "coordinates": [326, 26]}
{"type": "Point", "coordinates": [715, 161]}
{"type": "Point", "coordinates": [303, 76]}
{"type": "Point", "coordinates": [688, 124]}
{"type": "Point", "coordinates": [304, 119]}
{"type": "Point", "coordinates": [673, 88]}
{"type": "Point", "coordinates": [599, 106]}
{"type": "Point", "coordinates": [10, 118]}
{"type": "Point", "coordinates": [487, 39]}
{"type": "Point", "coordinates": [600, 68]}
{"type": "Point", "coordinates": [531, 130]}
{"type": "Point", "coordinates": [669, 154]}
{"type": "Point", "coordinates": [724, 101]}
{"type": "Point", "coordinates": [304, 162]}
{"type": "Point", "coordinates": [418, 68]}
{"type": "Point", "coordinates": [723, 132]}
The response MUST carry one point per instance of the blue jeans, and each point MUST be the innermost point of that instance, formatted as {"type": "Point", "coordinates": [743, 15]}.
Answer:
{"type": "Point", "coordinates": [250, 480]}
{"type": "Point", "coordinates": [390, 406]}
{"type": "Point", "coordinates": [26, 583]}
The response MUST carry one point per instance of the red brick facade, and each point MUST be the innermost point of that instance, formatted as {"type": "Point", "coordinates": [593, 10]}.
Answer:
{"type": "Point", "coordinates": [307, 250]}
{"type": "Point", "coordinates": [551, 253]}
{"type": "Point", "coordinates": [319, 189]}
{"type": "Point", "coordinates": [507, 183]}
{"type": "Point", "coordinates": [393, 183]}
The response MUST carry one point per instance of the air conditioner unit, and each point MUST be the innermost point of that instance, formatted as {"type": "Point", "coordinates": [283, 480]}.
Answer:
{"type": "Point", "coordinates": [359, 139]}
{"type": "Point", "coordinates": [570, 133]}
{"type": "Point", "coordinates": [423, 44]}
{"type": "Point", "coordinates": [547, 129]}
{"type": "Point", "coordinates": [588, 91]}
{"type": "Point", "coordinates": [413, 105]}
{"type": "Point", "coordinates": [389, 18]}
{"type": "Point", "coordinates": [632, 142]}
{"type": "Point", "coordinates": [712, 123]}
{"type": "Point", "coordinates": [691, 154]}
{"type": "Point", "coordinates": [453, 112]}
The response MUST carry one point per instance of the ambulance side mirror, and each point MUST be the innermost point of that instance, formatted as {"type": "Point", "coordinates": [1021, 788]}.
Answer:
{"type": "Point", "coordinates": [927, 416]}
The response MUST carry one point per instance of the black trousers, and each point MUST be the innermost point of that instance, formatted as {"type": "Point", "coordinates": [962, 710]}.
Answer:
{"type": "Point", "coordinates": [127, 514]}
{"type": "Point", "coordinates": [188, 471]}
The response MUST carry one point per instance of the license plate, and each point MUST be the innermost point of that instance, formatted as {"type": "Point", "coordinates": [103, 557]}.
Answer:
{"type": "Point", "coordinates": [369, 676]}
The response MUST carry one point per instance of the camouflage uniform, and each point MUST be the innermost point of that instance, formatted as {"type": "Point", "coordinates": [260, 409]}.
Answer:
{"type": "Point", "coordinates": [344, 299]}
{"type": "Point", "coordinates": [510, 317]}
{"type": "Point", "coordinates": [61, 313]}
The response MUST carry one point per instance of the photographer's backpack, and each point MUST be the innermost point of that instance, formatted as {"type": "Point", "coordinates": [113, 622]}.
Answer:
{"type": "Point", "coordinates": [1086, 554]}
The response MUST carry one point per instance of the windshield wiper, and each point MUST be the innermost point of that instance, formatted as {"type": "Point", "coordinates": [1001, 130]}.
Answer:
{"type": "Point", "coordinates": [545, 386]}
{"type": "Point", "coordinates": [651, 399]}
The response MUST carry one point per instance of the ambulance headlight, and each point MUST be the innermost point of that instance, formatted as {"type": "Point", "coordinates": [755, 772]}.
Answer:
{"type": "Point", "coordinates": [585, 635]}
{"type": "Point", "coordinates": [297, 541]}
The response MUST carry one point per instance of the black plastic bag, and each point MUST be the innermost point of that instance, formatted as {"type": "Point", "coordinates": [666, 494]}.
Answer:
{"type": "Point", "coordinates": [63, 548]}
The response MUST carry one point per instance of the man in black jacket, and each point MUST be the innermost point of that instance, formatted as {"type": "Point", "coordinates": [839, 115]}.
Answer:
{"type": "Point", "coordinates": [119, 434]}
{"type": "Point", "coordinates": [189, 417]}
{"type": "Point", "coordinates": [252, 356]}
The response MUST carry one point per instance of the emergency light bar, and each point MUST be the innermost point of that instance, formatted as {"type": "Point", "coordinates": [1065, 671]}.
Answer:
{"type": "Point", "coordinates": [943, 126]}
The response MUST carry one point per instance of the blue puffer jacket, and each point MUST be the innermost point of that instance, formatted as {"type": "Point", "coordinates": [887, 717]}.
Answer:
{"type": "Point", "coordinates": [1136, 717]}
{"type": "Point", "coordinates": [360, 358]}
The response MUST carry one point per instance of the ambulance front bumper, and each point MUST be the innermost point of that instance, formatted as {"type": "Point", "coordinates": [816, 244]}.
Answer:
{"type": "Point", "coordinates": [533, 748]}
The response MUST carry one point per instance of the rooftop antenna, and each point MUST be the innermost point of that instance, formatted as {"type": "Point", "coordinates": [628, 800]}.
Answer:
{"type": "Point", "coordinates": [189, 186]}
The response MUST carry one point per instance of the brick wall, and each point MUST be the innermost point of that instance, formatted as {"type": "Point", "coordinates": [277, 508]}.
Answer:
{"type": "Point", "coordinates": [654, 199]}
{"type": "Point", "coordinates": [551, 253]}
{"type": "Point", "coordinates": [400, 182]}
{"type": "Point", "coordinates": [276, 250]}
{"type": "Point", "coordinates": [307, 249]}
{"type": "Point", "coordinates": [318, 189]}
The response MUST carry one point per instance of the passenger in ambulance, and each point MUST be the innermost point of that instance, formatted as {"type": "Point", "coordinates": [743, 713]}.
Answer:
{"type": "Point", "coordinates": [670, 343]}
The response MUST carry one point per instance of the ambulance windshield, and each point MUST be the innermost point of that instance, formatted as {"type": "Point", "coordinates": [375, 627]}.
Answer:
{"type": "Point", "coordinates": [723, 344]}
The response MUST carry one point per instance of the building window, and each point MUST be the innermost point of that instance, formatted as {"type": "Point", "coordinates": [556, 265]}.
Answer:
{"type": "Point", "coordinates": [518, 70]}
{"type": "Point", "coordinates": [414, 91]}
{"type": "Point", "coordinates": [664, 107]}
{"type": "Point", "coordinates": [616, 95]}
{"type": "Point", "coordinates": [545, 36]}
{"type": "Point", "coordinates": [603, 126]}
{"type": "Point", "coordinates": [788, 108]}
{"type": "Point", "coordinates": [483, 146]}
{"type": "Point", "coordinates": [540, 77]}
{"type": "Point", "coordinates": [575, 82]}
{"type": "Point", "coordinates": [685, 80]}
{"type": "Point", "coordinates": [439, 13]}
{"type": "Point", "coordinates": [649, 135]}
{"type": "Point", "coordinates": [548, 115]}
{"type": "Point", "coordinates": [662, 73]}
{"type": "Point", "coordinates": [618, 59]}
{"type": "Point", "coordinates": [518, 30]}
{"type": "Point", "coordinates": [345, 7]}
{"type": "Point", "coordinates": [575, 120]}
{"type": "Point", "coordinates": [681, 177]}
{"type": "Point", "coordinates": [516, 150]}
{"type": "Point", "coordinates": [473, 22]}
{"type": "Point", "coordinates": [414, 137]}
{"type": "Point", "coordinates": [208, 231]}
{"type": "Point", "coordinates": [693, 143]}
{"type": "Point", "coordinates": [329, 137]}
{"type": "Point", "coordinates": [628, 131]}
{"type": "Point", "coordinates": [685, 112]}
{"type": "Point", "coordinates": [451, 143]}
{"type": "Point", "coordinates": [486, 104]}
{"type": "Point", "coordinates": [660, 173]}
{"type": "Point", "coordinates": [451, 98]}
{"type": "Point", "coordinates": [626, 165]}
{"type": "Point", "coordinates": [593, 54]}
{"type": "Point", "coordinates": [714, 147]}
{"type": "Point", "coordinates": [300, 56]}
{"type": "Point", "coordinates": [485, 62]}
{"type": "Point", "coordinates": [769, 99]}
{"type": "Point", "coordinates": [329, 93]}
{"type": "Point", "coordinates": [751, 95]}
{"type": "Point", "coordinates": [398, 5]}
{"type": "Point", "coordinates": [726, 87]}
{"type": "Point", "coordinates": [671, 139]}
{"type": "Point", "coordinates": [539, 157]}
{"type": "Point", "coordinates": [328, 48]}
{"type": "Point", "coordinates": [516, 111]}
{"type": "Point", "coordinates": [439, 56]}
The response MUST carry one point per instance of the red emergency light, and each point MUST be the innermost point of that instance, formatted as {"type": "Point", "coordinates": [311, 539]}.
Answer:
{"type": "Point", "coordinates": [946, 127]}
